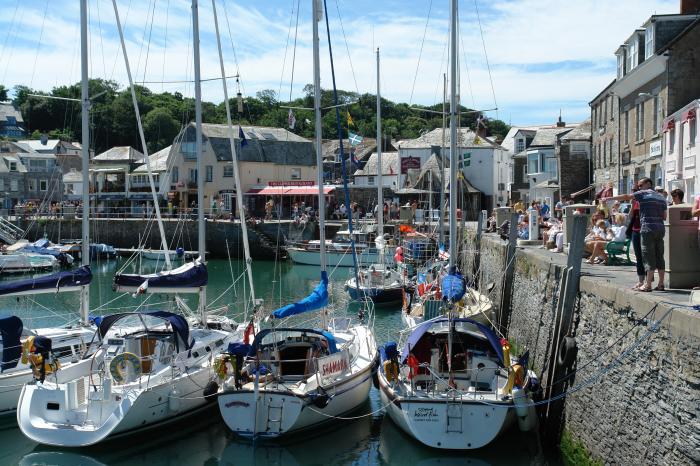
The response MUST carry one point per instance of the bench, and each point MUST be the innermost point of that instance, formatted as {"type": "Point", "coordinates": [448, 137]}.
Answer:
{"type": "Point", "coordinates": [616, 249]}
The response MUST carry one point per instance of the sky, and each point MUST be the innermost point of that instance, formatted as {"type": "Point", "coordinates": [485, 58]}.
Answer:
{"type": "Point", "coordinates": [530, 59]}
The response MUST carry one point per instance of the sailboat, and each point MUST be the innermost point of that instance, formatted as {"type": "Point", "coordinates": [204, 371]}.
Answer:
{"type": "Point", "coordinates": [451, 383]}
{"type": "Point", "coordinates": [150, 368]}
{"type": "Point", "coordinates": [297, 377]}
{"type": "Point", "coordinates": [378, 282]}
{"type": "Point", "coordinates": [29, 354]}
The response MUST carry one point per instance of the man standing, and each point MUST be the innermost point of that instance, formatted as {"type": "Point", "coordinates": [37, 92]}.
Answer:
{"type": "Point", "coordinates": [652, 213]}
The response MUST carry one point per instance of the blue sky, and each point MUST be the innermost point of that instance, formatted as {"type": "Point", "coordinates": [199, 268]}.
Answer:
{"type": "Point", "coordinates": [544, 55]}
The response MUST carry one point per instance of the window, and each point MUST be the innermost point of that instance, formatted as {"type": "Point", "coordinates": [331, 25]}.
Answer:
{"type": "Point", "coordinates": [174, 174]}
{"type": "Point", "coordinates": [209, 174]}
{"type": "Point", "coordinates": [671, 140]}
{"type": "Point", "coordinates": [188, 150]}
{"type": "Point", "coordinates": [692, 131]}
{"type": "Point", "coordinates": [621, 64]}
{"type": "Point", "coordinates": [649, 41]}
{"type": "Point", "coordinates": [605, 153]}
{"type": "Point", "coordinates": [533, 163]}
{"type": "Point", "coordinates": [11, 121]}
{"type": "Point", "coordinates": [627, 127]}
{"type": "Point", "coordinates": [43, 185]}
{"type": "Point", "coordinates": [605, 111]}
{"type": "Point", "coordinates": [640, 121]}
{"type": "Point", "coordinates": [595, 115]}
{"type": "Point", "coordinates": [193, 175]}
{"type": "Point", "coordinates": [2, 184]}
{"type": "Point", "coordinates": [31, 185]}
{"type": "Point", "coordinates": [519, 145]}
{"type": "Point", "coordinates": [551, 165]}
{"type": "Point", "coordinates": [657, 120]}
{"type": "Point", "coordinates": [295, 173]}
{"type": "Point", "coordinates": [228, 171]}
{"type": "Point", "coordinates": [69, 188]}
{"type": "Point", "coordinates": [632, 54]}
{"type": "Point", "coordinates": [14, 185]}
{"type": "Point", "coordinates": [370, 180]}
{"type": "Point", "coordinates": [13, 166]}
{"type": "Point", "coordinates": [37, 165]}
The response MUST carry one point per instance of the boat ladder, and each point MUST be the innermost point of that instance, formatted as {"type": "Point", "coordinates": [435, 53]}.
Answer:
{"type": "Point", "coordinates": [9, 232]}
{"type": "Point", "coordinates": [454, 416]}
{"type": "Point", "coordinates": [274, 415]}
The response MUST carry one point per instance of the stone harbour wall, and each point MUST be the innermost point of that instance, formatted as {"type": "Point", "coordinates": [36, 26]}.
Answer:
{"type": "Point", "coordinates": [643, 410]}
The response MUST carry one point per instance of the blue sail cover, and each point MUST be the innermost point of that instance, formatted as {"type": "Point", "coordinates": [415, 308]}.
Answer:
{"type": "Point", "coordinates": [453, 287]}
{"type": "Point", "coordinates": [316, 300]}
{"type": "Point", "coordinates": [185, 278]}
{"type": "Point", "coordinates": [47, 283]}
{"type": "Point", "coordinates": [178, 323]}
{"type": "Point", "coordinates": [257, 341]}
{"type": "Point", "coordinates": [61, 256]}
{"type": "Point", "coordinates": [11, 330]}
{"type": "Point", "coordinates": [420, 330]}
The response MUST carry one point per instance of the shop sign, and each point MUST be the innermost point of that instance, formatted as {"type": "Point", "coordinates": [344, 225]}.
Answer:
{"type": "Point", "coordinates": [291, 183]}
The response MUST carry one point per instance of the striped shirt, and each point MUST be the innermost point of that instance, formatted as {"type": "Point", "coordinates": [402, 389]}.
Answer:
{"type": "Point", "coordinates": [652, 206]}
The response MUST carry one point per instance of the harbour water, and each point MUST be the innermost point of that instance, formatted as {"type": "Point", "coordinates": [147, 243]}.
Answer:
{"type": "Point", "coordinates": [370, 439]}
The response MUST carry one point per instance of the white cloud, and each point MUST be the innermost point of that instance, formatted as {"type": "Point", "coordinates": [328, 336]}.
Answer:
{"type": "Point", "coordinates": [521, 36]}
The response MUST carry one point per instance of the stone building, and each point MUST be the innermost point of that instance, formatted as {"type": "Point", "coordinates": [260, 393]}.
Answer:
{"type": "Point", "coordinates": [11, 122]}
{"type": "Point", "coordinates": [574, 155]}
{"type": "Point", "coordinates": [516, 142]}
{"type": "Point", "coordinates": [656, 76]}
{"type": "Point", "coordinates": [28, 176]}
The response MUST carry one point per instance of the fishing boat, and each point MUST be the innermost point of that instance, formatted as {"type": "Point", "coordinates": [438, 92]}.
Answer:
{"type": "Point", "coordinates": [378, 282]}
{"type": "Point", "coordinates": [293, 378]}
{"type": "Point", "coordinates": [149, 368]}
{"type": "Point", "coordinates": [339, 249]}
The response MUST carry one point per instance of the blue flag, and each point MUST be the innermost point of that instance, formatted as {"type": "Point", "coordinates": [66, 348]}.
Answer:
{"type": "Point", "coordinates": [241, 135]}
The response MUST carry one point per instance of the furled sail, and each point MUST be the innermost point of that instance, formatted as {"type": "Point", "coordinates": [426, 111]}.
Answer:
{"type": "Point", "coordinates": [453, 286]}
{"type": "Point", "coordinates": [61, 281]}
{"type": "Point", "coordinates": [185, 279]}
{"type": "Point", "coordinates": [316, 300]}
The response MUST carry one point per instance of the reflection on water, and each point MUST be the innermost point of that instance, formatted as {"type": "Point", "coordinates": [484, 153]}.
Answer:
{"type": "Point", "coordinates": [204, 440]}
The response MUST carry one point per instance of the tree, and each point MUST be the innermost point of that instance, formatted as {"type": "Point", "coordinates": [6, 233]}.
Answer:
{"type": "Point", "coordinates": [3, 93]}
{"type": "Point", "coordinates": [160, 128]}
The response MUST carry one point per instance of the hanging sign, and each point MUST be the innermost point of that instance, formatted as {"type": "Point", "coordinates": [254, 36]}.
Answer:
{"type": "Point", "coordinates": [409, 162]}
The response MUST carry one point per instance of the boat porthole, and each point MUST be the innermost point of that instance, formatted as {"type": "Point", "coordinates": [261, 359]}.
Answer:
{"type": "Point", "coordinates": [469, 444]}
{"type": "Point", "coordinates": [159, 399]}
{"type": "Point", "coordinates": [486, 414]}
{"type": "Point", "coordinates": [154, 413]}
{"type": "Point", "coordinates": [439, 444]}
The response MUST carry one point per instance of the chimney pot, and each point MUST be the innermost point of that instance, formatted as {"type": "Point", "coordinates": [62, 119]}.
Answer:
{"type": "Point", "coordinates": [690, 7]}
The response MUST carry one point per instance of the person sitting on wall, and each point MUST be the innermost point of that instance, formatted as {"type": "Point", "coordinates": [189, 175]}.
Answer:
{"type": "Point", "coordinates": [598, 233]}
{"type": "Point", "coordinates": [524, 228]}
{"type": "Point", "coordinates": [677, 196]}
{"type": "Point", "coordinates": [616, 233]}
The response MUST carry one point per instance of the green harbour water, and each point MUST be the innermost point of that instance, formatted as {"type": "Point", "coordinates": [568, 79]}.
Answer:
{"type": "Point", "coordinates": [371, 439]}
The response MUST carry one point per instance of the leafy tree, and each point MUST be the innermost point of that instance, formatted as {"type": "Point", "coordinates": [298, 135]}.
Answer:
{"type": "Point", "coordinates": [160, 128]}
{"type": "Point", "coordinates": [3, 93]}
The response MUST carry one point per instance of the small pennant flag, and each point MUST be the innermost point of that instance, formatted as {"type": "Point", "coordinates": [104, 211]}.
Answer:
{"type": "Point", "coordinates": [354, 139]}
{"type": "Point", "coordinates": [442, 254]}
{"type": "Point", "coordinates": [291, 119]}
{"type": "Point", "coordinates": [241, 136]}
{"type": "Point", "coordinates": [350, 122]}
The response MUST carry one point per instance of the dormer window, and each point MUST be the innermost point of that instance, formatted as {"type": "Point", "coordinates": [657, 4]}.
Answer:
{"type": "Point", "coordinates": [621, 56]}
{"type": "Point", "coordinates": [519, 145]}
{"type": "Point", "coordinates": [632, 54]}
{"type": "Point", "coordinates": [649, 41]}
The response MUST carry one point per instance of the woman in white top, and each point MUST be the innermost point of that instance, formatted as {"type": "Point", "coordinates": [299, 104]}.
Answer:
{"type": "Point", "coordinates": [616, 233]}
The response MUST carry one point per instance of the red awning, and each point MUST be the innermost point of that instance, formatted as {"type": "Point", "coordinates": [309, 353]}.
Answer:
{"type": "Point", "coordinates": [688, 115]}
{"type": "Point", "coordinates": [290, 190]}
{"type": "Point", "coordinates": [668, 125]}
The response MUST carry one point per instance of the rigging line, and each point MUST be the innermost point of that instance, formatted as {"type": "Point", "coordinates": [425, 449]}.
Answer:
{"type": "Point", "coordinates": [116, 55]}
{"type": "Point", "coordinates": [488, 66]}
{"type": "Point", "coordinates": [420, 53]}
{"type": "Point", "coordinates": [466, 65]}
{"type": "Point", "coordinates": [235, 59]}
{"type": "Point", "coordinates": [294, 56]}
{"type": "Point", "coordinates": [9, 31]}
{"type": "Point", "coordinates": [342, 28]}
{"type": "Point", "coordinates": [150, 13]}
{"type": "Point", "coordinates": [12, 48]}
{"type": "Point", "coordinates": [439, 81]}
{"type": "Point", "coordinates": [181, 81]}
{"type": "Point", "coordinates": [165, 45]}
{"type": "Point", "coordinates": [38, 45]}
{"type": "Point", "coordinates": [102, 46]}
{"type": "Point", "coordinates": [148, 44]}
{"type": "Point", "coordinates": [286, 46]}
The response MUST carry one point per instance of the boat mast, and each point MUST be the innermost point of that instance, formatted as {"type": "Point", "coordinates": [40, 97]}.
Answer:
{"type": "Point", "coordinates": [198, 150]}
{"type": "Point", "coordinates": [380, 170]}
{"type": "Point", "coordinates": [85, 128]}
{"type": "Point", "coordinates": [154, 196]}
{"type": "Point", "coordinates": [454, 112]}
{"type": "Point", "coordinates": [441, 211]}
{"type": "Point", "coordinates": [234, 161]}
{"type": "Point", "coordinates": [453, 133]}
{"type": "Point", "coordinates": [317, 12]}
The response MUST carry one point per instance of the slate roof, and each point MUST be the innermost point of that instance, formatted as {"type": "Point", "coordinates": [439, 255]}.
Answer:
{"type": "Point", "coordinates": [263, 144]}
{"type": "Point", "coordinates": [581, 133]}
{"type": "Point", "coordinates": [73, 176]}
{"type": "Point", "coordinates": [331, 148]}
{"type": "Point", "coordinates": [465, 138]}
{"type": "Point", "coordinates": [7, 109]}
{"type": "Point", "coordinates": [120, 154]}
{"type": "Point", "coordinates": [159, 162]}
{"type": "Point", "coordinates": [548, 136]}
{"type": "Point", "coordinates": [390, 165]}
{"type": "Point", "coordinates": [36, 145]}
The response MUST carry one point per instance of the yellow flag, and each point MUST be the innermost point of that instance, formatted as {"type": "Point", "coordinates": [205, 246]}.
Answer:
{"type": "Point", "coordinates": [350, 122]}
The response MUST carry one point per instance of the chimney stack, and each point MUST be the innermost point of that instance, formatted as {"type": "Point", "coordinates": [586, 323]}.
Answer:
{"type": "Point", "coordinates": [560, 123]}
{"type": "Point", "coordinates": [690, 7]}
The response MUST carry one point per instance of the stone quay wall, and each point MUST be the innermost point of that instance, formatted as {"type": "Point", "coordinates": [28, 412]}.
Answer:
{"type": "Point", "coordinates": [644, 409]}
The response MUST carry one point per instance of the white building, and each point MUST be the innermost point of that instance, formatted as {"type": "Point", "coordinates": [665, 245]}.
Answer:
{"type": "Point", "coordinates": [367, 177]}
{"type": "Point", "coordinates": [681, 154]}
{"type": "Point", "coordinates": [73, 185]}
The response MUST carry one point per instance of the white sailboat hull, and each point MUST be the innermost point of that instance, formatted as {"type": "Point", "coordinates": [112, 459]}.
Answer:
{"type": "Point", "coordinates": [470, 424]}
{"type": "Point", "coordinates": [335, 258]}
{"type": "Point", "coordinates": [278, 409]}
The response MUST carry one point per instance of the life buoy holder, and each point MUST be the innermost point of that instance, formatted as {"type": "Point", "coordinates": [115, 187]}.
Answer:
{"type": "Point", "coordinates": [36, 360]}
{"type": "Point", "coordinates": [117, 367]}
{"type": "Point", "coordinates": [567, 352]}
